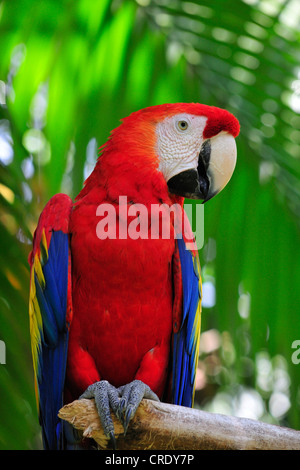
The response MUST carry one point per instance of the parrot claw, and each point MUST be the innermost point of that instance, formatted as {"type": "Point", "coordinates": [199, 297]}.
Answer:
{"type": "Point", "coordinates": [112, 439]}
{"type": "Point", "coordinates": [106, 396]}
{"type": "Point", "coordinates": [127, 418]}
{"type": "Point", "coordinates": [132, 395]}
{"type": "Point", "coordinates": [123, 401]}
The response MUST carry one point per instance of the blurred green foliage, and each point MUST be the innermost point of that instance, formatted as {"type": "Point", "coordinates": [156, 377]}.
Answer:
{"type": "Point", "coordinates": [69, 71]}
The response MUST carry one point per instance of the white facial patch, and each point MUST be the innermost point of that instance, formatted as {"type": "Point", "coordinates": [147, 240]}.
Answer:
{"type": "Point", "coordinates": [179, 139]}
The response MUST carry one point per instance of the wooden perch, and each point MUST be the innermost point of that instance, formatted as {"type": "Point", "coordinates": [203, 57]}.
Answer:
{"type": "Point", "coordinates": [160, 426]}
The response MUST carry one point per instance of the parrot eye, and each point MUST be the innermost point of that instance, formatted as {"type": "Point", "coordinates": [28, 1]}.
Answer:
{"type": "Point", "coordinates": [182, 125]}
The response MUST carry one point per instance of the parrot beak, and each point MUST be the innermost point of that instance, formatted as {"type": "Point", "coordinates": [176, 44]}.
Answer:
{"type": "Point", "coordinates": [216, 163]}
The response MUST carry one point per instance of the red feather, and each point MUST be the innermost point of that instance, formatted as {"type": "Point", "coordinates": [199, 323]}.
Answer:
{"type": "Point", "coordinates": [123, 289]}
{"type": "Point", "coordinates": [126, 294]}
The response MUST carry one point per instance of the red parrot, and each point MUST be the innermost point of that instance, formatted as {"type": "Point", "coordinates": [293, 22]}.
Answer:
{"type": "Point", "coordinates": [115, 311]}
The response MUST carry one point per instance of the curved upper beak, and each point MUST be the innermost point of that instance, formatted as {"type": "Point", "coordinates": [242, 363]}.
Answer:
{"type": "Point", "coordinates": [216, 163]}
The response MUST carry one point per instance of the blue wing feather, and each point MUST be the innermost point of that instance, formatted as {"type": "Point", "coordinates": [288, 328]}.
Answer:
{"type": "Point", "coordinates": [186, 340]}
{"type": "Point", "coordinates": [49, 331]}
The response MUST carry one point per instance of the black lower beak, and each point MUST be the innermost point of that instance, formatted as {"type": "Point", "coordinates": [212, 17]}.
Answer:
{"type": "Point", "coordinates": [193, 184]}
{"type": "Point", "coordinates": [189, 184]}
{"type": "Point", "coordinates": [185, 183]}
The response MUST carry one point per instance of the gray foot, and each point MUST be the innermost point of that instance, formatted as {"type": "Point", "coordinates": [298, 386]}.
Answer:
{"type": "Point", "coordinates": [131, 396]}
{"type": "Point", "coordinates": [123, 401]}
{"type": "Point", "coordinates": [106, 396]}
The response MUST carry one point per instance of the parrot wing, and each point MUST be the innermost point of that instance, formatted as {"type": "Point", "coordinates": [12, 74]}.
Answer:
{"type": "Point", "coordinates": [50, 313]}
{"type": "Point", "coordinates": [186, 324]}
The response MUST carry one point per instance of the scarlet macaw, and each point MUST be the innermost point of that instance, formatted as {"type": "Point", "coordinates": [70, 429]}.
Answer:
{"type": "Point", "coordinates": [118, 319]}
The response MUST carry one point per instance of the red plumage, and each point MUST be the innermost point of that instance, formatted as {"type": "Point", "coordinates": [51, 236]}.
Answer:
{"type": "Point", "coordinates": [124, 332]}
{"type": "Point", "coordinates": [126, 294]}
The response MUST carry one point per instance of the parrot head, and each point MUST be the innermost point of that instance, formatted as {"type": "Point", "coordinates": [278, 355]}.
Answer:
{"type": "Point", "coordinates": [192, 146]}
{"type": "Point", "coordinates": [197, 150]}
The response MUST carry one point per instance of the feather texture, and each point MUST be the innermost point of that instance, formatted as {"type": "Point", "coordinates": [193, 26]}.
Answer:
{"type": "Point", "coordinates": [49, 326]}
{"type": "Point", "coordinates": [186, 339]}
{"type": "Point", "coordinates": [133, 299]}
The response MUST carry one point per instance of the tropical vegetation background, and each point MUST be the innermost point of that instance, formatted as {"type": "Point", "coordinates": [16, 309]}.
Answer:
{"type": "Point", "coordinates": [69, 70]}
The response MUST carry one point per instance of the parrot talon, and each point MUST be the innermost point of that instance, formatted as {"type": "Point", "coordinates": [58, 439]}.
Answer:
{"type": "Point", "coordinates": [127, 418]}
{"type": "Point", "coordinates": [112, 439]}
{"type": "Point", "coordinates": [120, 409]}
{"type": "Point", "coordinates": [131, 397]}
{"type": "Point", "coordinates": [106, 396]}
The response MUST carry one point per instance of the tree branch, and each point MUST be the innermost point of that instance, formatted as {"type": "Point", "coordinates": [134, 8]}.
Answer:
{"type": "Point", "coordinates": [161, 426]}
